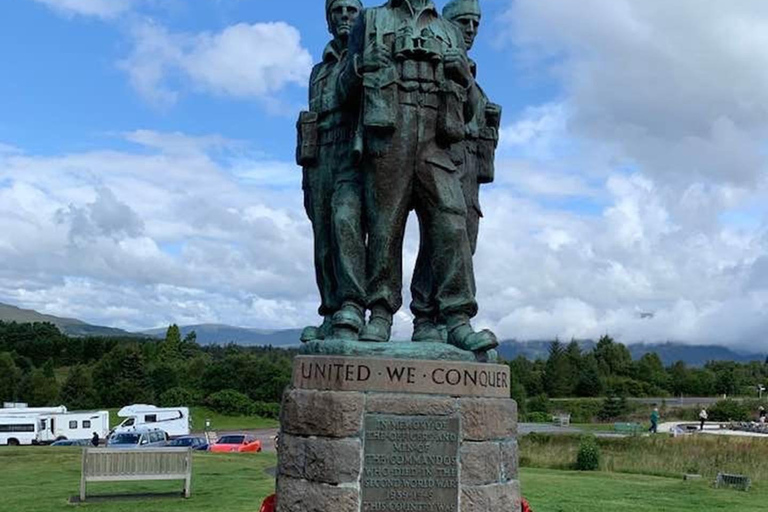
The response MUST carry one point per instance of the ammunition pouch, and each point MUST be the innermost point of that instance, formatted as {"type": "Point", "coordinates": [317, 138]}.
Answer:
{"type": "Point", "coordinates": [450, 115]}
{"type": "Point", "coordinates": [307, 143]}
{"type": "Point", "coordinates": [380, 99]}
{"type": "Point", "coordinates": [487, 143]}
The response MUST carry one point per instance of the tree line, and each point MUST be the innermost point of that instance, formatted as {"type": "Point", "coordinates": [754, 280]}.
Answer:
{"type": "Point", "coordinates": [609, 370]}
{"type": "Point", "coordinates": [41, 366]}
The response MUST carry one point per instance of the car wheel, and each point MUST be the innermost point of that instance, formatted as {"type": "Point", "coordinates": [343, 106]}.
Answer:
{"type": "Point", "coordinates": [13, 442]}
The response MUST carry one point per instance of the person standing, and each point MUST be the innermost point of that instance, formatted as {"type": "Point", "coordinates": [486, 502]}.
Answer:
{"type": "Point", "coordinates": [95, 440]}
{"type": "Point", "coordinates": [761, 415]}
{"type": "Point", "coordinates": [410, 68]}
{"type": "Point", "coordinates": [654, 420]}
{"type": "Point", "coordinates": [333, 185]}
{"type": "Point", "coordinates": [474, 157]}
{"type": "Point", "coordinates": [703, 418]}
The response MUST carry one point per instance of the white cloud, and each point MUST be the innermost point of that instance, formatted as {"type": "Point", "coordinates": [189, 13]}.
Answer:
{"type": "Point", "coordinates": [137, 238]}
{"type": "Point", "coordinates": [98, 8]}
{"type": "Point", "coordinates": [242, 61]}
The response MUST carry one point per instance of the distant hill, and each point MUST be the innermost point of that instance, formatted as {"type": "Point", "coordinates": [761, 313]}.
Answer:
{"type": "Point", "coordinates": [670, 353]}
{"type": "Point", "coordinates": [69, 326]}
{"type": "Point", "coordinates": [215, 334]}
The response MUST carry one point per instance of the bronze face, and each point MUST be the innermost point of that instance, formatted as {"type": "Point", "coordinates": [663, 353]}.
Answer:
{"type": "Point", "coordinates": [342, 16]}
{"type": "Point", "coordinates": [469, 24]}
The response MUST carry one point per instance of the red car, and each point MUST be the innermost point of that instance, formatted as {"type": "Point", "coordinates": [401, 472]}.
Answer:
{"type": "Point", "coordinates": [239, 443]}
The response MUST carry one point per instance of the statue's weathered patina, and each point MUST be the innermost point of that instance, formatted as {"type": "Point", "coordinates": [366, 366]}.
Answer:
{"type": "Point", "coordinates": [332, 185]}
{"type": "Point", "coordinates": [474, 156]}
{"type": "Point", "coordinates": [397, 123]}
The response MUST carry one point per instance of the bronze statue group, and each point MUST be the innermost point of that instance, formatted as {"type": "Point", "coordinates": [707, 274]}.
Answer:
{"type": "Point", "coordinates": [397, 123]}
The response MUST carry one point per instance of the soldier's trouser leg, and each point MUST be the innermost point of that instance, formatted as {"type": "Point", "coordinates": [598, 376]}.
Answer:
{"type": "Point", "coordinates": [471, 189]}
{"type": "Point", "coordinates": [422, 292]}
{"type": "Point", "coordinates": [349, 232]}
{"type": "Point", "coordinates": [388, 188]}
{"type": "Point", "coordinates": [318, 193]}
{"type": "Point", "coordinates": [442, 212]}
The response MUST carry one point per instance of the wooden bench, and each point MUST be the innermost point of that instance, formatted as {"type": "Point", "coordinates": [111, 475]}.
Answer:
{"type": "Point", "coordinates": [141, 464]}
{"type": "Point", "coordinates": [740, 482]}
{"type": "Point", "coordinates": [561, 420]}
{"type": "Point", "coordinates": [628, 428]}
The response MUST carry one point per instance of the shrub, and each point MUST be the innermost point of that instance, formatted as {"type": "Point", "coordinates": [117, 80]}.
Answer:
{"type": "Point", "coordinates": [613, 408]}
{"type": "Point", "coordinates": [537, 417]}
{"type": "Point", "coordinates": [728, 410]}
{"type": "Point", "coordinates": [266, 410]}
{"type": "Point", "coordinates": [588, 458]}
{"type": "Point", "coordinates": [179, 397]}
{"type": "Point", "coordinates": [230, 402]}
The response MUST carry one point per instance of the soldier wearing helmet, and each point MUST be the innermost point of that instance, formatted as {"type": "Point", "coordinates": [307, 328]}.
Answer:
{"type": "Point", "coordinates": [332, 186]}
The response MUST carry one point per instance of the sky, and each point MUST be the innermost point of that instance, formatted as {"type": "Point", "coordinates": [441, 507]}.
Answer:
{"type": "Point", "coordinates": [147, 173]}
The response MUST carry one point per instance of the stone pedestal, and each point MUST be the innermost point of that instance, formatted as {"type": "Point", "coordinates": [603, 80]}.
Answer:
{"type": "Point", "coordinates": [394, 435]}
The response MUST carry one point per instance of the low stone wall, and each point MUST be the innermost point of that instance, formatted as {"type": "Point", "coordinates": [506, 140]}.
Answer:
{"type": "Point", "coordinates": [323, 466]}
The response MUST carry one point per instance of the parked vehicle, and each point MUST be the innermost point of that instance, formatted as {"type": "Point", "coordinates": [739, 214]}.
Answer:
{"type": "Point", "coordinates": [73, 442]}
{"type": "Point", "coordinates": [240, 443]}
{"type": "Point", "coordinates": [193, 442]}
{"type": "Point", "coordinates": [15, 411]}
{"type": "Point", "coordinates": [20, 430]}
{"type": "Point", "coordinates": [140, 437]}
{"type": "Point", "coordinates": [173, 420]}
{"type": "Point", "coordinates": [72, 425]}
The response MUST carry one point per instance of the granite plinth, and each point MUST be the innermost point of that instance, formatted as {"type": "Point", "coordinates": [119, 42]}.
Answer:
{"type": "Point", "coordinates": [396, 350]}
{"type": "Point", "coordinates": [390, 435]}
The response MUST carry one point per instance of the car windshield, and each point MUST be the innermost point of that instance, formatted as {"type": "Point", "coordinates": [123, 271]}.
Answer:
{"type": "Point", "coordinates": [125, 439]}
{"type": "Point", "coordinates": [231, 440]}
{"type": "Point", "coordinates": [182, 442]}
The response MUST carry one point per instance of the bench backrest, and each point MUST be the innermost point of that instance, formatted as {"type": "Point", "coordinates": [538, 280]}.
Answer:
{"type": "Point", "coordinates": [150, 463]}
{"type": "Point", "coordinates": [737, 481]}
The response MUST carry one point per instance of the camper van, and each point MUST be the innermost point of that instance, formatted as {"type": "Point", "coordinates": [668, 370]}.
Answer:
{"type": "Point", "coordinates": [72, 425]}
{"type": "Point", "coordinates": [18, 430]}
{"type": "Point", "coordinates": [174, 421]}
{"type": "Point", "coordinates": [15, 411]}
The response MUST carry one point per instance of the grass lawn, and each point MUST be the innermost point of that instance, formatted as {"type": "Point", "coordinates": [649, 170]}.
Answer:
{"type": "Point", "coordinates": [568, 491]}
{"type": "Point", "coordinates": [42, 480]}
{"type": "Point", "coordinates": [219, 422]}
{"type": "Point", "coordinates": [36, 479]}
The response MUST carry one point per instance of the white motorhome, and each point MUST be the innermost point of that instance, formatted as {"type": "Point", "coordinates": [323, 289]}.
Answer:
{"type": "Point", "coordinates": [72, 425]}
{"type": "Point", "coordinates": [18, 430]}
{"type": "Point", "coordinates": [15, 411]}
{"type": "Point", "coordinates": [174, 421]}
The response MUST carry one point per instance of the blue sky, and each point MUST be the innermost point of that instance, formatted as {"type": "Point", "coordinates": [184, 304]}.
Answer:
{"type": "Point", "coordinates": [146, 172]}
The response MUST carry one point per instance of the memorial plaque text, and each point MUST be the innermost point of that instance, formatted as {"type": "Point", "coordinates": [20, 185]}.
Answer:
{"type": "Point", "coordinates": [411, 464]}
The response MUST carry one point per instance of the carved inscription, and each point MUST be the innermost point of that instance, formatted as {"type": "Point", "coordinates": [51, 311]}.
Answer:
{"type": "Point", "coordinates": [411, 464]}
{"type": "Point", "coordinates": [401, 376]}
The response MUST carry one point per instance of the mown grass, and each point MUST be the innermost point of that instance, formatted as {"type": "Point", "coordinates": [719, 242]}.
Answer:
{"type": "Point", "coordinates": [656, 455]}
{"type": "Point", "coordinates": [42, 480]}
{"type": "Point", "coordinates": [219, 422]}
{"type": "Point", "coordinates": [569, 491]}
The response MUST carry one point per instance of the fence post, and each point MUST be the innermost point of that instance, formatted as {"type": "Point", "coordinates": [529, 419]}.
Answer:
{"type": "Point", "coordinates": [188, 481]}
{"type": "Point", "coordinates": [83, 472]}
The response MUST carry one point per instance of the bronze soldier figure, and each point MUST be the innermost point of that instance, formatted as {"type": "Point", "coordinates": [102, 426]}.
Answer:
{"type": "Point", "coordinates": [332, 185]}
{"type": "Point", "coordinates": [411, 69]}
{"type": "Point", "coordinates": [474, 156]}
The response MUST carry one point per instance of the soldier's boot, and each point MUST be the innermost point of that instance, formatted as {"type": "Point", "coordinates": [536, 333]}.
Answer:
{"type": "Point", "coordinates": [321, 332]}
{"type": "Point", "coordinates": [425, 330]}
{"type": "Point", "coordinates": [379, 327]}
{"type": "Point", "coordinates": [461, 335]}
{"type": "Point", "coordinates": [348, 322]}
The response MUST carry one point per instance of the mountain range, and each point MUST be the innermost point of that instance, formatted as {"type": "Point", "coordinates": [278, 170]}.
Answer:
{"type": "Point", "coordinates": [216, 334]}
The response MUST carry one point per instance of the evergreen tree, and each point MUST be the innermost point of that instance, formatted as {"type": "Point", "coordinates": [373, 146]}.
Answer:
{"type": "Point", "coordinates": [78, 391]}
{"type": "Point", "coordinates": [589, 381]}
{"type": "Point", "coordinates": [10, 377]}
{"type": "Point", "coordinates": [558, 373]}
